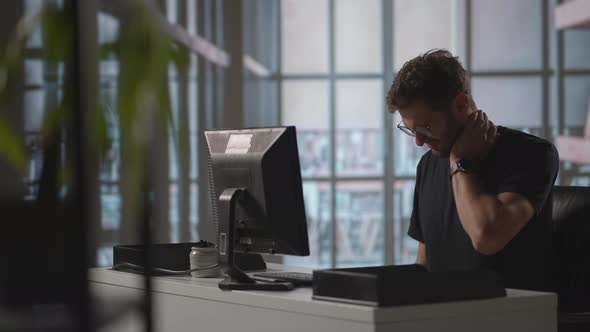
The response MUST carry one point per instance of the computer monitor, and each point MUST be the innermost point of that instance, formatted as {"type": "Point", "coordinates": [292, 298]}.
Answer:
{"type": "Point", "coordinates": [257, 197]}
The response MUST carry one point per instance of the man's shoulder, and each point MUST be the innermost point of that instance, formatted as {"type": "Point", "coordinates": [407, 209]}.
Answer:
{"type": "Point", "coordinates": [525, 145]}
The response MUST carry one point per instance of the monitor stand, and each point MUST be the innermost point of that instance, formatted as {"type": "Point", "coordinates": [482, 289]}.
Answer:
{"type": "Point", "coordinates": [235, 278]}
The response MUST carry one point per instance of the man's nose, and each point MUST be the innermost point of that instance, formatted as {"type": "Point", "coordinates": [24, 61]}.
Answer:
{"type": "Point", "coordinates": [419, 140]}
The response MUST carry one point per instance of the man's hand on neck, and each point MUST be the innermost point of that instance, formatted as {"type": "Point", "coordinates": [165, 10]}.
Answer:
{"type": "Point", "coordinates": [476, 139]}
{"type": "Point", "coordinates": [491, 220]}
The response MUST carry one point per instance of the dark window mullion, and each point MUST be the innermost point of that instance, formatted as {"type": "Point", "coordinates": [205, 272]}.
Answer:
{"type": "Point", "coordinates": [546, 70]}
{"type": "Point", "coordinates": [511, 73]}
{"type": "Point", "coordinates": [337, 76]}
{"type": "Point", "coordinates": [388, 216]}
{"type": "Point", "coordinates": [332, 123]}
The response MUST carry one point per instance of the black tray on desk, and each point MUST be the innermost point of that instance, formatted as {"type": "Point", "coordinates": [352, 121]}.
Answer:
{"type": "Point", "coordinates": [403, 285]}
{"type": "Point", "coordinates": [175, 256]}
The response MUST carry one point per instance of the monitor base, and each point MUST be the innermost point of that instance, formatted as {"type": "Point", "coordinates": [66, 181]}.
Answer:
{"type": "Point", "coordinates": [228, 284]}
{"type": "Point", "coordinates": [237, 280]}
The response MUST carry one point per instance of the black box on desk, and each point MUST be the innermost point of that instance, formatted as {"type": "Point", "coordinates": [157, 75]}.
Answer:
{"type": "Point", "coordinates": [175, 256]}
{"type": "Point", "coordinates": [403, 285]}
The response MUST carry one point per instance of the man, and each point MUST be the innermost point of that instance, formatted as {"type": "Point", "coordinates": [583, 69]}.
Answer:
{"type": "Point", "coordinates": [483, 192]}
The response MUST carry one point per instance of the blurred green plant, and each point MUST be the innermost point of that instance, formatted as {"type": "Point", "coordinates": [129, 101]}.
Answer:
{"type": "Point", "coordinates": [12, 147]}
{"type": "Point", "coordinates": [144, 53]}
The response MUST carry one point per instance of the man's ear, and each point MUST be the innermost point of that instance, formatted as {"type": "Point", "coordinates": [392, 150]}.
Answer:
{"type": "Point", "coordinates": [460, 109]}
{"type": "Point", "coordinates": [462, 103]}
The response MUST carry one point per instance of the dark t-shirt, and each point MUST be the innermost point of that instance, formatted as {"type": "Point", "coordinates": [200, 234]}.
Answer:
{"type": "Point", "coordinates": [519, 163]}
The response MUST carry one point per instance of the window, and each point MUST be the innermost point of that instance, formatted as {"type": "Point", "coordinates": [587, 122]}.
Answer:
{"type": "Point", "coordinates": [359, 123]}
{"type": "Point", "coordinates": [43, 82]}
{"type": "Point", "coordinates": [358, 36]}
{"type": "Point", "coordinates": [337, 88]}
{"type": "Point", "coordinates": [304, 26]}
{"type": "Point", "coordinates": [502, 39]}
{"type": "Point", "coordinates": [324, 66]}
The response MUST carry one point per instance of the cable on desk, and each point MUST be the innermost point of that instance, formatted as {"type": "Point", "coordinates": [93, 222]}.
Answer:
{"type": "Point", "coordinates": [140, 268]}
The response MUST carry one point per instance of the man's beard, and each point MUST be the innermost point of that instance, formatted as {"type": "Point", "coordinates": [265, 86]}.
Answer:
{"type": "Point", "coordinates": [453, 131]}
{"type": "Point", "coordinates": [441, 154]}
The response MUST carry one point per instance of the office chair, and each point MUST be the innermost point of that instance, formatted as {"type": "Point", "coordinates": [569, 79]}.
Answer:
{"type": "Point", "coordinates": [571, 222]}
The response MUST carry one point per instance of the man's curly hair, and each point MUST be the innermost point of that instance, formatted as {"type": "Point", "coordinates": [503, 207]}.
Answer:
{"type": "Point", "coordinates": [434, 77]}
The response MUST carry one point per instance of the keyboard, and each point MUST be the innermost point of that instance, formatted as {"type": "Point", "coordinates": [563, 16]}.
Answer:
{"type": "Point", "coordinates": [297, 278]}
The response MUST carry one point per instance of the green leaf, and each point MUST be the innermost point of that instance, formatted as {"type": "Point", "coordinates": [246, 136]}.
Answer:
{"type": "Point", "coordinates": [58, 33]}
{"type": "Point", "coordinates": [100, 129]}
{"type": "Point", "coordinates": [180, 56]}
{"type": "Point", "coordinates": [12, 148]}
{"type": "Point", "coordinates": [10, 68]}
{"type": "Point", "coordinates": [109, 49]}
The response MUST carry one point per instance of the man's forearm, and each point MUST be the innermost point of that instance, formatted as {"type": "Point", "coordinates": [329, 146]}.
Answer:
{"type": "Point", "coordinates": [477, 210]}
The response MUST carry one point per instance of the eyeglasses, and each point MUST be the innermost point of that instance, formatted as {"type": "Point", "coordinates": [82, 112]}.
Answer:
{"type": "Point", "coordinates": [424, 131]}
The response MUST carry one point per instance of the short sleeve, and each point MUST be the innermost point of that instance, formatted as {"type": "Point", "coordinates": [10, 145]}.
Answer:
{"type": "Point", "coordinates": [532, 174]}
{"type": "Point", "coordinates": [415, 230]}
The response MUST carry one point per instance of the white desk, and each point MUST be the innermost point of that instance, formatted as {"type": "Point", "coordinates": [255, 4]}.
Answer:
{"type": "Point", "coordinates": [190, 304]}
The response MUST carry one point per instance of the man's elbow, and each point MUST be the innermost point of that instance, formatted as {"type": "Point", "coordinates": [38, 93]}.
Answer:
{"type": "Point", "coordinates": [486, 238]}
{"type": "Point", "coordinates": [487, 244]}
{"type": "Point", "coordinates": [495, 232]}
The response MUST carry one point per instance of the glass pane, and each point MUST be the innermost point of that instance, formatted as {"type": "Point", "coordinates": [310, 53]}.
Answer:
{"type": "Point", "coordinates": [260, 36]}
{"type": "Point", "coordinates": [406, 153]}
{"type": "Point", "coordinates": [577, 99]}
{"type": "Point", "coordinates": [104, 256]}
{"type": "Point", "coordinates": [193, 115]}
{"type": "Point", "coordinates": [420, 26]}
{"type": "Point", "coordinates": [317, 206]}
{"type": "Point", "coordinates": [173, 213]}
{"type": "Point", "coordinates": [553, 87]}
{"type": "Point", "coordinates": [506, 34]}
{"type": "Point", "coordinates": [172, 10]}
{"type": "Point", "coordinates": [359, 123]}
{"type": "Point", "coordinates": [260, 102]}
{"type": "Point", "coordinates": [109, 167]}
{"type": "Point", "coordinates": [174, 90]}
{"type": "Point", "coordinates": [580, 181]}
{"type": "Point", "coordinates": [194, 212]}
{"type": "Point", "coordinates": [34, 148]}
{"type": "Point", "coordinates": [552, 36]}
{"type": "Point", "coordinates": [108, 69]}
{"type": "Point", "coordinates": [512, 102]}
{"type": "Point", "coordinates": [33, 6]}
{"type": "Point", "coordinates": [406, 248]}
{"type": "Point", "coordinates": [305, 104]}
{"type": "Point", "coordinates": [358, 36]}
{"type": "Point", "coordinates": [108, 28]}
{"type": "Point", "coordinates": [173, 158]}
{"type": "Point", "coordinates": [194, 173]}
{"type": "Point", "coordinates": [191, 16]}
{"type": "Point", "coordinates": [34, 72]}
{"type": "Point", "coordinates": [35, 39]}
{"type": "Point", "coordinates": [34, 104]}
{"type": "Point", "coordinates": [111, 207]}
{"type": "Point", "coordinates": [193, 69]}
{"type": "Point", "coordinates": [359, 223]}
{"type": "Point", "coordinates": [304, 36]}
{"type": "Point", "coordinates": [577, 49]}
{"type": "Point", "coordinates": [173, 138]}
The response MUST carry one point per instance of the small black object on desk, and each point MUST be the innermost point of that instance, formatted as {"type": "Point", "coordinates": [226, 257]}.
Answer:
{"type": "Point", "coordinates": [404, 285]}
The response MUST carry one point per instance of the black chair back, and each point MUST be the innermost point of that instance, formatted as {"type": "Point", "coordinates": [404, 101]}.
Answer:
{"type": "Point", "coordinates": [571, 221]}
